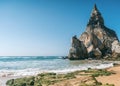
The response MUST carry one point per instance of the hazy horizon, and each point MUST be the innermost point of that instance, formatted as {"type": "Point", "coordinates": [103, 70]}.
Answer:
{"type": "Point", "coordinates": [45, 27]}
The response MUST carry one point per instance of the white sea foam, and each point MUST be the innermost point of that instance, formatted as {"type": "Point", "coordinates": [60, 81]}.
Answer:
{"type": "Point", "coordinates": [23, 66]}
{"type": "Point", "coordinates": [35, 71]}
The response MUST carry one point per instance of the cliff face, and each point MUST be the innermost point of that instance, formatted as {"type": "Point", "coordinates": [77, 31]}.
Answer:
{"type": "Point", "coordinates": [78, 49]}
{"type": "Point", "coordinates": [96, 42]}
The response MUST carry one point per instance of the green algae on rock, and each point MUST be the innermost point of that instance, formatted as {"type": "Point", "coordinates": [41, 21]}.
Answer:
{"type": "Point", "coordinates": [53, 79]}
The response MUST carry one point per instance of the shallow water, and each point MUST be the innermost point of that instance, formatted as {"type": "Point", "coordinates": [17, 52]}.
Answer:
{"type": "Point", "coordinates": [32, 65]}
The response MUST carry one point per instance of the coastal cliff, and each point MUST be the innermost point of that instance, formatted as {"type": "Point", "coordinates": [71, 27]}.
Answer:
{"type": "Point", "coordinates": [97, 42]}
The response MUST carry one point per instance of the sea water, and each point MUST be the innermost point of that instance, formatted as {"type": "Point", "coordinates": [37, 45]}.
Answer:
{"type": "Point", "coordinates": [32, 65]}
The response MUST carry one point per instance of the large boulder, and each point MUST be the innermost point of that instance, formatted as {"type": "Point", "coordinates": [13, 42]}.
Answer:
{"type": "Point", "coordinates": [116, 46]}
{"type": "Point", "coordinates": [98, 40]}
{"type": "Point", "coordinates": [78, 50]}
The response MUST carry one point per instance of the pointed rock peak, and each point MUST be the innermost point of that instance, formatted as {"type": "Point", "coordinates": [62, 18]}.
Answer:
{"type": "Point", "coordinates": [95, 10]}
{"type": "Point", "coordinates": [96, 19]}
{"type": "Point", "coordinates": [95, 7]}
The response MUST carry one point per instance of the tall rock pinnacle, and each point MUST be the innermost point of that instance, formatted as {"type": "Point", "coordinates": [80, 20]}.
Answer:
{"type": "Point", "coordinates": [96, 42]}
{"type": "Point", "coordinates": [96, 19]}
{"type": "Point", "coordinates": [95, 7]}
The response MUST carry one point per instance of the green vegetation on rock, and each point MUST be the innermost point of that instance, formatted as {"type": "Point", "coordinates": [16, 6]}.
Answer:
{"type": "Point", "coordinates": [50, 79]}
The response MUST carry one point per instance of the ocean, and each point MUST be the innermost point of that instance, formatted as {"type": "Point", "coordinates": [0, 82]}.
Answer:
{"type": "Point", "coordinates": [32, 65]}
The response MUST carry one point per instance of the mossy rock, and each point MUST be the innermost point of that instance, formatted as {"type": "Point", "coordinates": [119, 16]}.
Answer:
{"type": "Point", "coordinates": [101, 72]}
{"type": "Point", "coordinates": [70, 76]}
{"type": "Point", "coordinates": [108, 84]}
{"type": "Point", "coordinates": [90, 81]}
{"type": "Point", "coordinates": [47, 79]}
{"type": "Point", "coordinates": [27, 81]}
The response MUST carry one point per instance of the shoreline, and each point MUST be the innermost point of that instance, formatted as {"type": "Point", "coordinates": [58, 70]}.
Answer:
{"type": "Point", "coordinates": [4, 79]}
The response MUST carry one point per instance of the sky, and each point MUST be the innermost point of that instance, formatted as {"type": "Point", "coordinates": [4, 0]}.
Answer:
{"type": "Point", "coordinates": [45, 27]}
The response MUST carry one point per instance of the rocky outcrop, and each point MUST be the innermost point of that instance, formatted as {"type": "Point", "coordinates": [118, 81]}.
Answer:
{"type": "Point", "coordinates": [78, 49]}
{"type": "Point", "coordinates": [97, 41]}
{"type": "Point", "coordinates": [116, 46]}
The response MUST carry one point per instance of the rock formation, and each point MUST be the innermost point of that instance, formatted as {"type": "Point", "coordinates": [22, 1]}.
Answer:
{"type": "Point", "coordinates": [96, 42]}
{"type": "Point", "coordinates": [78, 49]}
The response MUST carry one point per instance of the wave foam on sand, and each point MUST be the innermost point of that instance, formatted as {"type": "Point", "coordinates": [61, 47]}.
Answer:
{"type": "Point", "coordinates": [30, 71]}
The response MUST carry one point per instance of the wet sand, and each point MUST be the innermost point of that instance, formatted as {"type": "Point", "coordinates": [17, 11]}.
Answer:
{"type": "Point", "coordinates": [3, 80]}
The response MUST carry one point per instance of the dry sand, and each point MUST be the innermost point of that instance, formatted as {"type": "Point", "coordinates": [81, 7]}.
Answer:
{"type": "Point", "coordinates": [112, 79]}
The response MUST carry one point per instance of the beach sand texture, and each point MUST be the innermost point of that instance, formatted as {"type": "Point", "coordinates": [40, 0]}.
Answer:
{"type": "Point", "coordinates": [112, 79]}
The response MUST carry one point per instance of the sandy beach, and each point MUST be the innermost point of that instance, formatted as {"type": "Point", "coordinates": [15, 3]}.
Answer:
{"type": "Point", "coordinates": [112, 79]}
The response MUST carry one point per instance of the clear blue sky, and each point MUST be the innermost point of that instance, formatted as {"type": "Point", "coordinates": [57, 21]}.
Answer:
{"type": "Point", "coordinates": [45, 27]}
